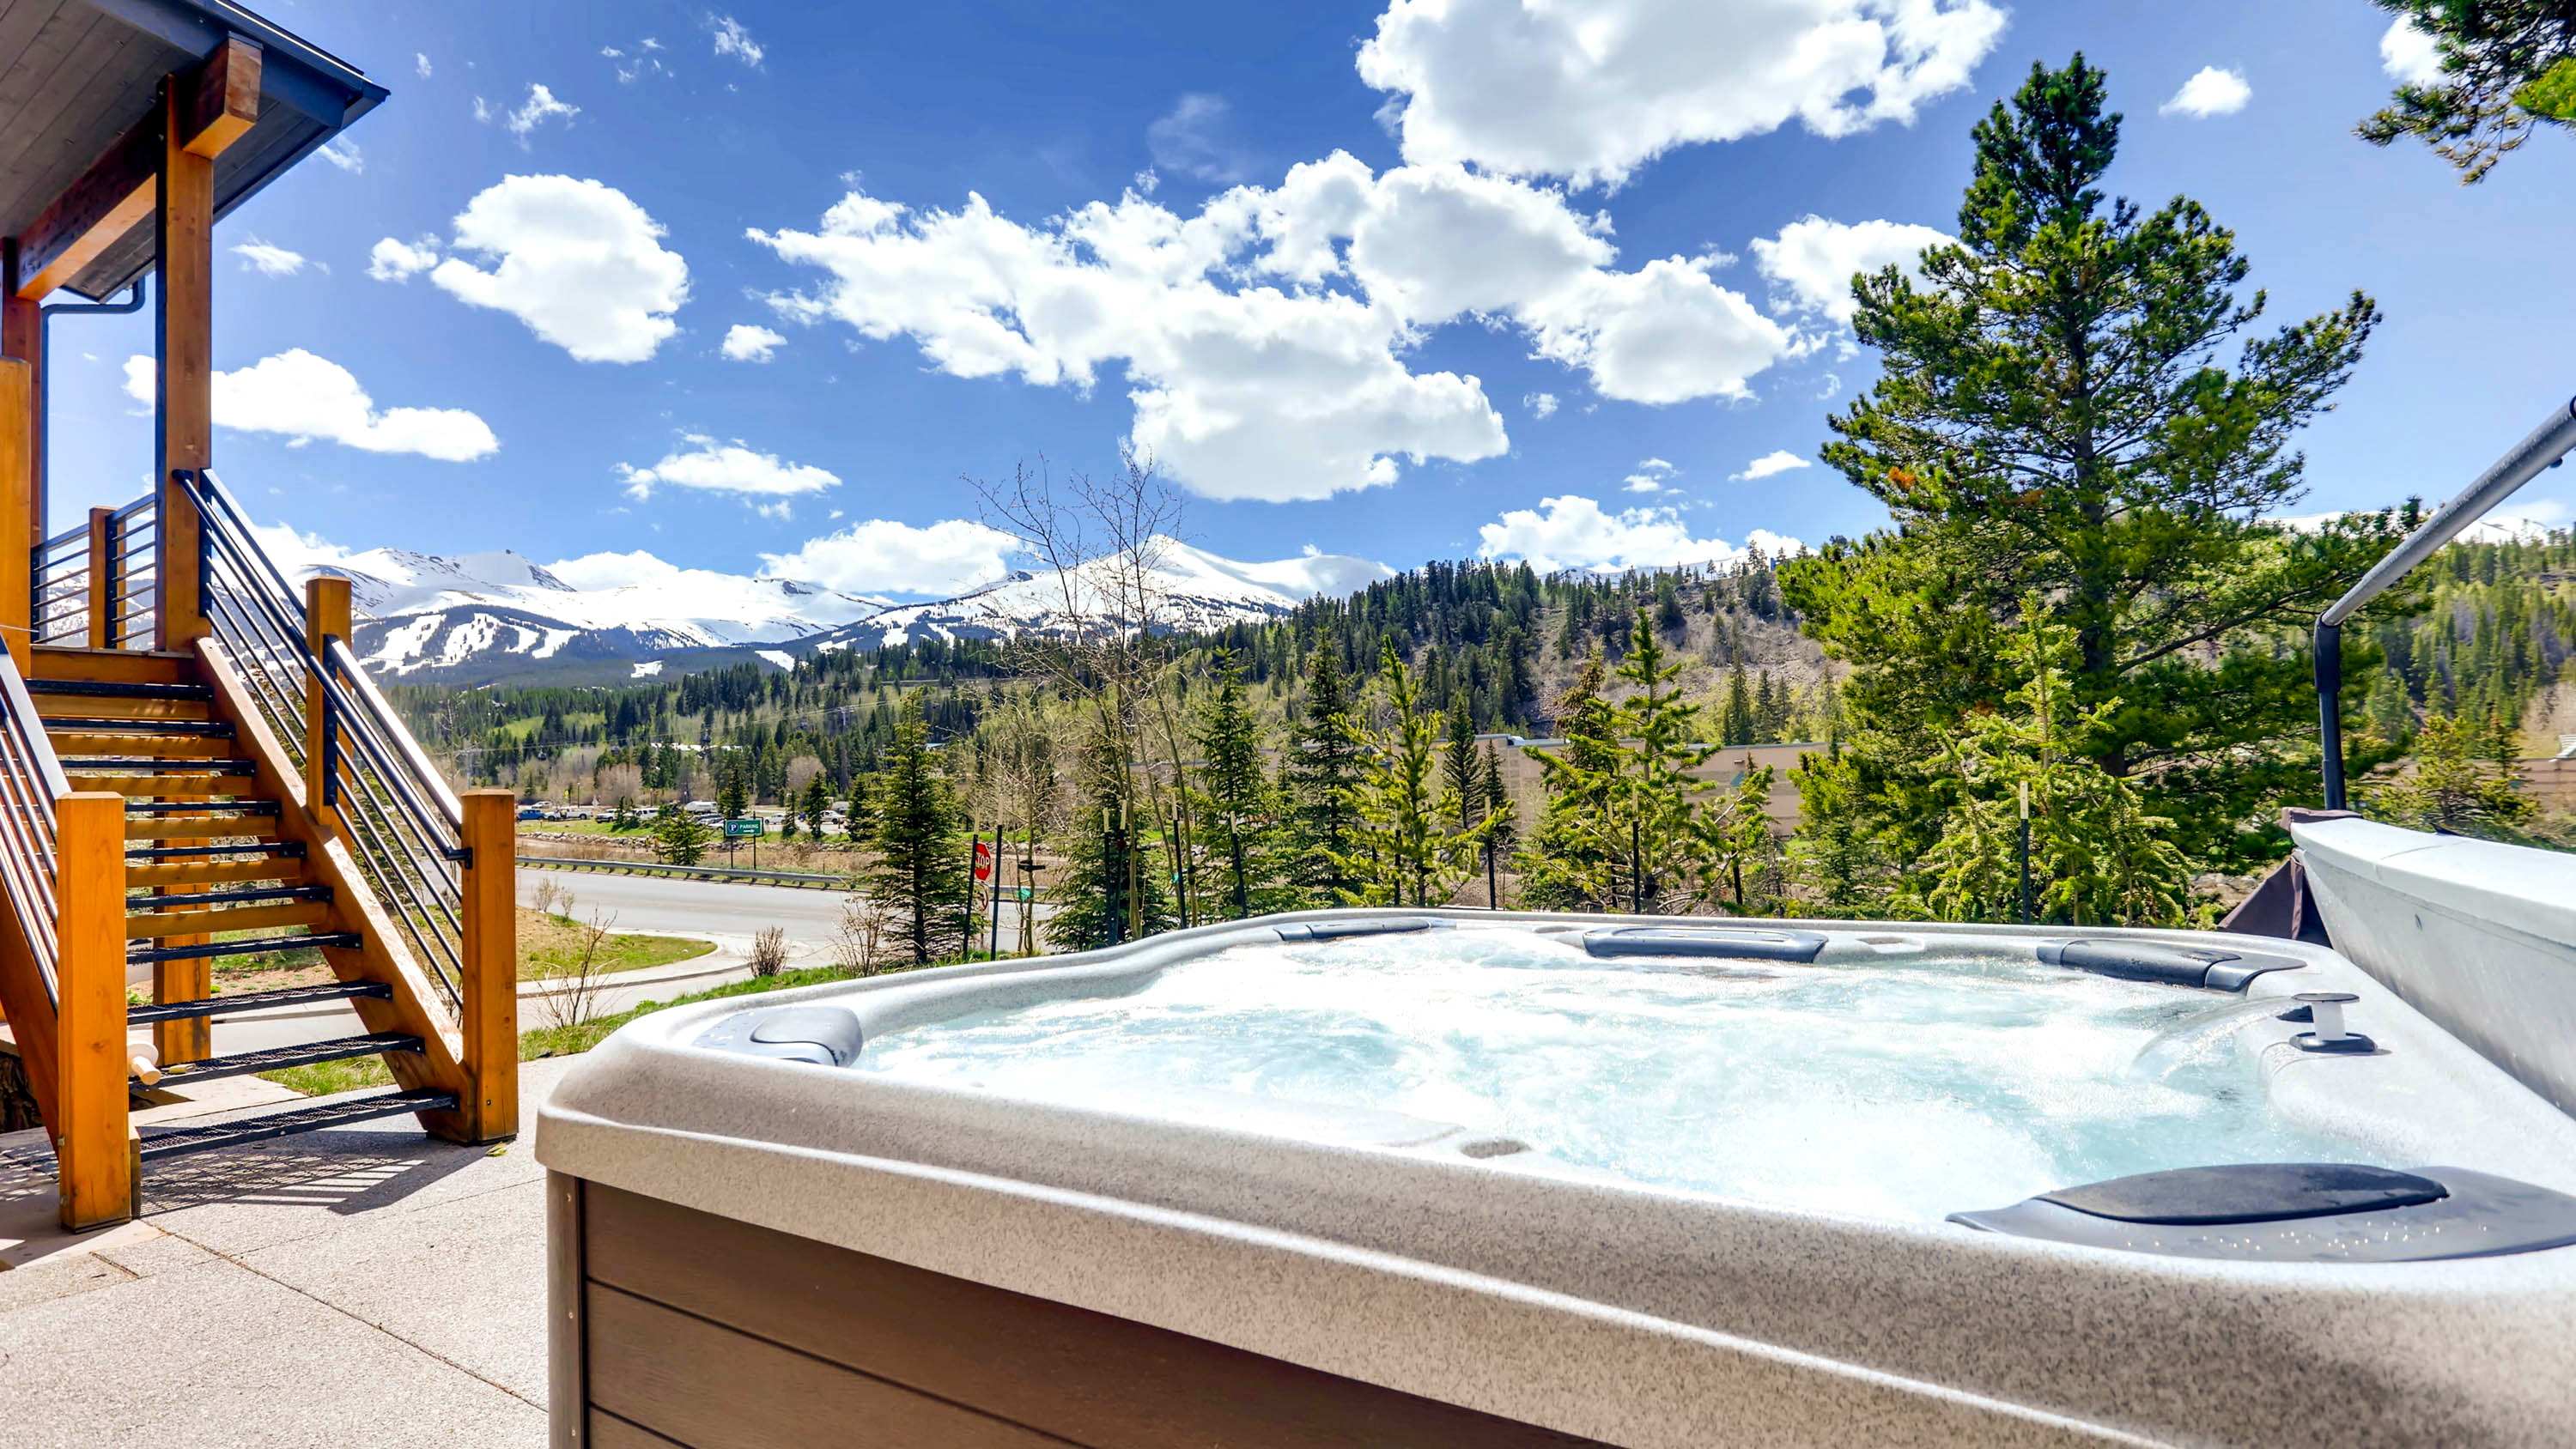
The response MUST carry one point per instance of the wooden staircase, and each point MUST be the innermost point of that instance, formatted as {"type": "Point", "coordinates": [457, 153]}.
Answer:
{"type": "Point", "coordinates": [224, 855]}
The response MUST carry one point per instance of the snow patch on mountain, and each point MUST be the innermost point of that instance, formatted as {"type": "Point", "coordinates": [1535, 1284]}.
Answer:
{"type": "Point", "coordinates": [475, 618]}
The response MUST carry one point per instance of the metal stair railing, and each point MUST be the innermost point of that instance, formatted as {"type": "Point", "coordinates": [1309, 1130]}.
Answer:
{"type": "Point", "coordinates": [403, 825]}
{"type": "Point", "coordinates": [61, 573]}
{"type": "Point", "coordinates": [93, 585]}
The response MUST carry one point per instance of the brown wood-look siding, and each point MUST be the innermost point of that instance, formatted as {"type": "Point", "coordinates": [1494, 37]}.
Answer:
{"type": "Point", "coordinates": [715, 1333]}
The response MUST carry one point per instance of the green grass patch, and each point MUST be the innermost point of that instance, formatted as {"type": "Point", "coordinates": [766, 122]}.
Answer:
{"type": "Point", "coordinates": [551, 946]}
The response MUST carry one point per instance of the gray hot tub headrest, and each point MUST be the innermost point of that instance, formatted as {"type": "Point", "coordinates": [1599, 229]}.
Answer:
{"type": "Point", "coordinates": [2207, 966]}
{"type": "Point", "coordinates": [824, 1035]}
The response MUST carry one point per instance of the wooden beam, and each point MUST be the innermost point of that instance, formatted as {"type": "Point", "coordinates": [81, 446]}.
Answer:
{"type": "Point", "coordinates": [215, 105]}
{"type": "Point", "coordinates": [21, 335]}
{"type": "Point", "coordinates": [221, 98]}
{"type": "Point", "coordinates": [94, 1141]}
{"type": "Point", "coordinates": [111, 198]}
{"type": "Point", "coordinates": [17, 509]}
{"type": "Point", "coordinates": [491, 1004]}
{"type": "Point", "coordinates": [185, 223]}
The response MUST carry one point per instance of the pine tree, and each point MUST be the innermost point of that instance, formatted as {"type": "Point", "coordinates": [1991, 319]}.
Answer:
{"type": "Point", "coordinates": [1235, 807]}
{"type": "Point", "coordinates": [817, 802]}
{"type": "Point", "coordinates": [1107, 867]}
{"type": "Point", "coordinates": [2052, 415]}
{"type": "Point", "coordinates": [1323, 767]}
{"type": "Point", "coordinates": [1625, 826]}
{"type": "Point", "coordinates": [1459, 774]}
{"type": "Point", "coordinates": [917, 831]}
{"type": "Point", "coordinates": [1402, 842]}
{"type": "Point", "coordinates": [1737, 724]}
{"type": "Point", "coordinates": [679, 838]}
{"type": "Point", "coordinates": [2507, 66]}
{"type": "Point", "coordinates": [733, 788]}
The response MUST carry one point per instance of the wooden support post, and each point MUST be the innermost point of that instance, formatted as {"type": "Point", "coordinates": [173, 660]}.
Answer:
{"type": "Point", "coordinates": [190, 1038]}
{"type": "Point", "coordinates": [184, 227]}
{"type": "Point", "coordinates": [94, 1143]}
{"type": "Point", "coordinates": [490, 1109]}
{"type": "Point", "coordinates": [22, 324]}
{"type": "Point", "coordinates": [18, 529]}
{"type": "Point", "coordinates": [326, 617]}
{"type": "Point", "coordinates": [103, 600]}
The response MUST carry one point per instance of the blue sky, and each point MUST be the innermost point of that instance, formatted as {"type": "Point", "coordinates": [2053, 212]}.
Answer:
{"type": "Point", "coordinates": [1327, 246]}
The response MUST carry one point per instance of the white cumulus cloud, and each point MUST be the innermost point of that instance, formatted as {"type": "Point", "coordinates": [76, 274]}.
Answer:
{"type": "Point", "coordinates": [1541, 405]}
{"type": "Point", "coordinates": [303, 397]}
{"type": "Point", "coordinates": [2409, 55]}
{"type": "Point", "coordinates": [1811, 262]}
{"type": "Point", "coordinates": [577, 261]}
{"type": "Point", "coordinates": [1264, 336]}
{"type": "Point", "coordinates": [2210, 92]}
{"type": "Point", "coordinates": [1779, 460]}
{"type": "Point", "coordinates": [748, 342]}
{"type": "Point", "coordinates": [420, 65]}
{"type": "Point", "coordinates": [882, 555]}
{"type": "Point", "coordinates": [733, 40]}
{"type": "Point", "coordinates": [343, 153]}
{"type": "Point", "coordinates": [391, 260]}
{"type": "Point", "coordinates": [1574, 532]}
{"type": "Point", "coordinates": [1590, 89]}
{"type": "Point", "coordinates": [267, 260]}
{"type": "Point", "coordinates": [539, 108]}
{"type": "Point", "coordinates": [726, 467]}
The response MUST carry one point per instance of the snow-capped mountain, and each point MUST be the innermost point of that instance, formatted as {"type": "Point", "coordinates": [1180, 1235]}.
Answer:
{"type": "Point", "coordinates": [492, 617]}
{"type": "Point", "coordinates": [1191, 590]}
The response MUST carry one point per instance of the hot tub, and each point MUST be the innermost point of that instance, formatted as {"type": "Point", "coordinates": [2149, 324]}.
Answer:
{"type": "Point", "coordinates": [1374, 1177]}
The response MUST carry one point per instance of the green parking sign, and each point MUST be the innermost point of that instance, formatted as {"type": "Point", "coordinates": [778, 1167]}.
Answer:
{"type": "Point", "coordinates": [742, 830]}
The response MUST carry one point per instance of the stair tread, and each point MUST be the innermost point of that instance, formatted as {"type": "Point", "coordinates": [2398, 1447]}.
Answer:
{"type": "Point", "coordinates": [251, 828]}
{"type": "Point", "coordinates": [261, 1000]}
{"type": "Point", "coordinates": [178, 1141]}
{"type": "Point", "coordinates": [118, 689]}
{"type": "Point", "coordinates": [149, 955]}
{"type": "Point", "coordinates": [272, 850]}
{"type": "Point", "coordinates": [302, 1054]}
{"type": "Point", "coordinates": [242, 897]}
{"type": "Point", "coordinates": [156, 765]}
{"type": "Point", "coordinates": [212, 729]}
{"type": "Point", "coordinates": [150, 925]}
{"type": "Point", "coordinates": [196, 807]}
{"type": "Point", "coordinates": [178, 876]}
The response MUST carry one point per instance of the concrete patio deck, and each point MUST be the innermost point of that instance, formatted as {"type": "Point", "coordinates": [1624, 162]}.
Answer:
{"type": "Point", "coordinates": [359, 1286]}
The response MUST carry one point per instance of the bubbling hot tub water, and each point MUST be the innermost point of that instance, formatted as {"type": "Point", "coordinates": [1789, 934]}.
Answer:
{"type": "Point", "coordinates": [1908, 1086]}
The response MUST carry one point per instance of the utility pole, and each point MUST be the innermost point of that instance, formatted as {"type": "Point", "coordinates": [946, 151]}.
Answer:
{"type": "Point", "coordinates": [2025, 852]}
{"type": "Point", "coordinates": [996, 953]}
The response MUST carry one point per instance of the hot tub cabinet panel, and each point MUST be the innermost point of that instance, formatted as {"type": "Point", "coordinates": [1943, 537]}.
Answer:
{"type": "Point", "coordinates": [753, 1250]}
{"type": "Point", "coordinates": [699, 1330]}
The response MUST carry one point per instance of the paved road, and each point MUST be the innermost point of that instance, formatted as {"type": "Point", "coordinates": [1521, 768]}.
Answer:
{"type": "Point", "coordinates": [720, 910]}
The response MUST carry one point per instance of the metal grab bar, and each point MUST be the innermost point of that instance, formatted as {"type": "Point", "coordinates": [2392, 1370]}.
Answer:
{"type": "Point", "coordinates": [2546, 448]}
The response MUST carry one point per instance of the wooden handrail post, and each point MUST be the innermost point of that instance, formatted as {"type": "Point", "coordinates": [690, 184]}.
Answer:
{"type": "Point", "coordinates": [94, 1142]}
{"type": "Point", "coordinates": [103, 600]}
{"type": "Point", "coordinates": [18, 527]}
{"type": "Point", "coordinates": [184, 230]}
{"type": "Point", "coordinates": [491, 987]}
{"type": "Point", "coordinates": [326, 617]}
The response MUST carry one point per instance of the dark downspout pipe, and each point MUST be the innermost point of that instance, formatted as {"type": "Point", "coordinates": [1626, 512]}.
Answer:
{"type": "Point", "coordinates": [44, 378]}
{"type": "Point", "coordinates": [2547, 447]}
